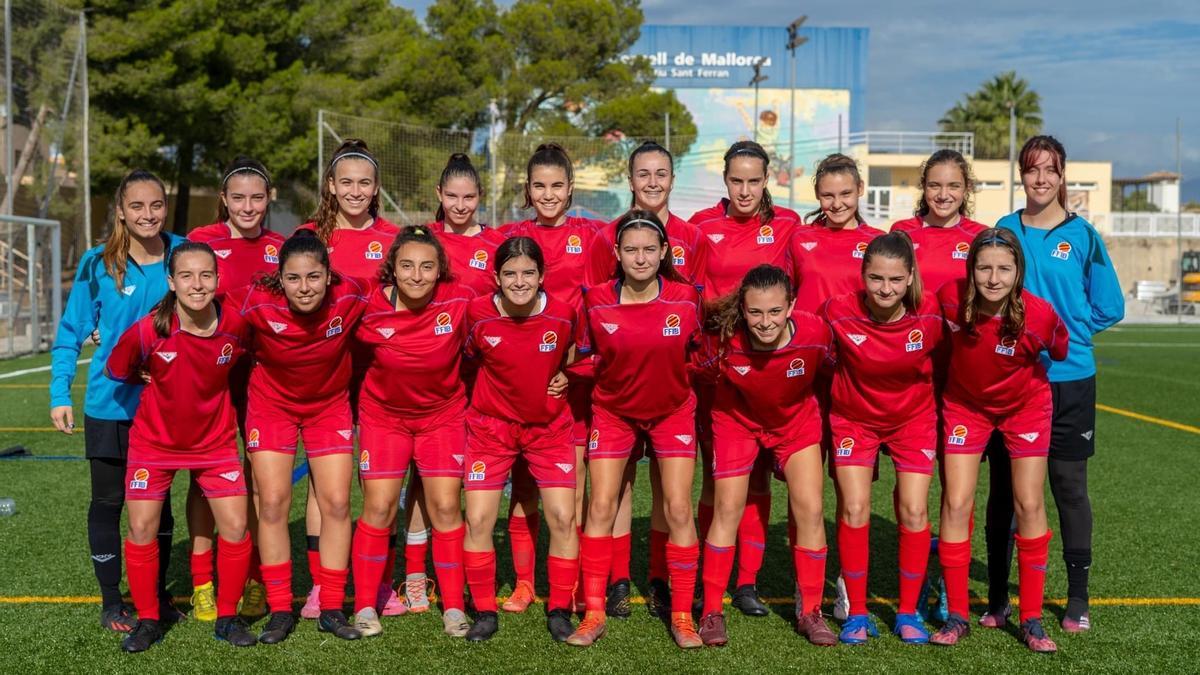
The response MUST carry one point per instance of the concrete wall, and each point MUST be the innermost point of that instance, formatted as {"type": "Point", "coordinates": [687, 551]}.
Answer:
{"type": "Point", "coordinates": [1146, 258]}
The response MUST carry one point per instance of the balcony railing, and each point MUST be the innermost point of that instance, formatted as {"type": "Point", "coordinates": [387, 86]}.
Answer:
{"type": "Point", "coordinates": [914, 142]}
{"type": "Point", "coordinates": [1137, 224]}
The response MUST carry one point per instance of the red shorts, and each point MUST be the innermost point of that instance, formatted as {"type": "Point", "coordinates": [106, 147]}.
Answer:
{"type": "Point", "coordinates": [493, 444]}
{"type": "Point", "coordinates": [965, 430]}
{"type": "Point", "coordinates": [672, 435]}
{"type": "Point", "coordinates": [912, 445]}
{"type": "Point", "coordinates": [152, 483]}
{"type": "Point", "coordinates": [579, 397]}
{"type": "Point", "coordinates": [329, 431]}
{"type": "Point", "coordinates": [389, 442]}
{"type": "Point", "coordinates": [736, 446]}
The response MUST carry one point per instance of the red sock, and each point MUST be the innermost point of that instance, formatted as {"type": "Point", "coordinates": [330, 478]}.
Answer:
{"type": "Point", "coordinates": [368, 557]}
{"type": "Point", "coordinates": [718, 564]}
{"type": "Point", "coordinates": [278, 580]}
{"type": "Point", "coordinates": [1031, 565]}
{"type": "Point", "coordinates": [448, 565]}
{"type": "Point", "coordinates": [681, 573]}
{"type": "Point", "coordinates": [415, 554]}
{"type": "Point", "coordinates": [854, 551]}
{"type": "Point", "coordinates": [522, 536]}
{"type": "Point", "coordinates": [955, 557]}
{"type": "Point", "coordinates": [622, 550]}
{"type": "Point", "coordinates": [202, 568]}
{"type": "Point", "coordinates": [141, 569]}
{"type": "Point", "coordinates": [314, 565]}
{"type": "Point", "coordinates": [481, 577]}
{"type": "Point", "coordinates": [752, 538]}
{"type": "Point", "coordinates": [704, 514]}
{"type": "Point", "coordinates": [810, 576]}
{"type": "Point", "coordinates": [578, 595]}
{"type": "Point", "coordinates": [658, 553]}
{"type": "Point", "coordinates": [255, 565]}
{"type": "Point", "coordinates": [233, 566]}
{"type": "Point", "coordinates": [389, 567]}
{"type": "Point", "coordinates": [914, 560]}
{"type": "Point", "coordinates": [333, 589]}
{"type": "Point", "coordinates": [595, 560]}
{"type": "Point", "coordinates": [563, 574]}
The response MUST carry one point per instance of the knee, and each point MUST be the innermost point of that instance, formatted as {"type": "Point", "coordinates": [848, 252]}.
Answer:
{"type": "Point", "coordinates": [957, 508]}
{"type": "Point", "coordinates": [142, 529]}
{"type": "Point", "coordinates": [1030, 505]}
{"type": "Point", "coordinates": [602, 508]}
{"type": "Point", "coordinates": [727, 507]}
{"type": "Point", "coordinates": [443, 510]}
{"type": "Point", "coordinates": [913, 516]}
{"type": "Point", "coordinates": [678, 511]}
{"type": "Point", "coordinates": [235, 529]}
{"type": "Point", "coordinates": [335, 507]}
{"type": "Point", "coordinates": [856, 512]}
{"type": "Point", "coordinates": [378, 512]}
{"type": "Point", "coordinates": [273, 506]}
{"type": "Point", "coordinates": [560, 519]}
{"type": "Point", "coordinates": [807, 511]}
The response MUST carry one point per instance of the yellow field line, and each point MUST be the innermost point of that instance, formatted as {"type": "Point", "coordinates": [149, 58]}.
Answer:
{"type": "Point", "coordinates": [1146, 418]}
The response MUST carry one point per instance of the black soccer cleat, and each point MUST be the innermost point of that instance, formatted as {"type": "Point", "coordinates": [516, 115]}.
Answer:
{"type": "Point", "coordinates": [558, 622]}
{"type": "Point", "coordinates": [334, 621]}
{"type": "Point", "coordinates": [118, 618]}
{"type": "Point", "coordinates": [486, 625]}
{"type": "Point", "coordinates": [233, 629]}
{"type": "Point", "coordinates": [658, 601]}
{"type": "Point", "coordinates": [144, 636]}
{"type": "Point", "coordinates": [279, 626]}
{"type": "Point", "coordinates": [746, 600]}
{"type": "Point", "coordinates": [617, 604]}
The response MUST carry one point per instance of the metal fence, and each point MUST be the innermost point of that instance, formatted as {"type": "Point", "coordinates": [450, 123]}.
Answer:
{"type": "Point", "coordinates": [1139, 224]}
{"type": "Point", "coordinates": [31, 292]}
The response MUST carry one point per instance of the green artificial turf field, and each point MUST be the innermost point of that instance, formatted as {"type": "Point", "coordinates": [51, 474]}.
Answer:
{"type": "Point", "coordinates": [1146, 603]}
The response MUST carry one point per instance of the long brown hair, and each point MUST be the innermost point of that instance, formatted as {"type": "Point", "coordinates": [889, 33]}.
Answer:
{"type": "Point", "coordinates": [418, 234]}
{"type": "Point", "coordinates": [553, 155]}
{"type": "Point", "coordinates": [947, 156]}
{"type": "Point", "coordinates": [766, 209]}
{"type": "Point", "coordinates": [725, 313]}
{"type": "Point", "coordinates": [1039, 144]}
{"type": "Point", "coordinates": [116, 245]}
{"type": "Point", "coordinates": [898, 246]}
{"type": "Point", "coordinates": [244, 166]}
{"type": "Point", "coordinates": [164, 311]}
{"type": "Point", "coordinates": [1012, 311]}
{"type": "Point", "coordinates": [832, 164]}
{"type": "Point", "coordinates": [327, 210]}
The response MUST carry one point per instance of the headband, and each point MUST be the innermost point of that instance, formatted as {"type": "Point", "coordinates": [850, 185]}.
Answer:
{"type": "Point", "coordinates": [244, 169]}
{"type": "Point", "coordinates": [359, 155]}
{"type": "Point", "coordinates": [993, 239]}
{"type": "Point", "coordinates": [658, 227]}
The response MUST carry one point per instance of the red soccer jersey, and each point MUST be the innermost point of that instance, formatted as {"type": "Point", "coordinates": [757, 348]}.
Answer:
{"type": "Point", "coordinates": [730, 247]}
{"type": "Point", "coordinates": [826, 261]}
{"type": "Point", "coordinates": [571, 255]}
{"type": "Point", "coordinates": [941, 251]}
{"type": "Point", "coordinates": [359, 253]}
{"type": "Point", "coordinates": [683, 237]}
{"type": "Point", "coordinates": [239, 260]}
{"type": "Point", "coordinates": [642, 350]}
{"type": "Point", "coordinates": [517, 358]}
{"type": "Point", "coordinates": [412, 358]}
{"type": "Point", "coordinates": [302, 361]}
{"type": "Point", "coordinates": [185, 418]}
{"type": "Point", "coordinates": [998, 374]}
{"type": "Point", "coordinates": [884, 371]}
{"type": "Point", "coordinates": [471, 257]}
{"type": "Point", "coordinates": [771, 389]}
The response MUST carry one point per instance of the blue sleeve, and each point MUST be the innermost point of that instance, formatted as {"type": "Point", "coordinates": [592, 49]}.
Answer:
{"type": "Point", "coordinates": [1103, 289]}
{"type": "Point", "coordinates": [78, 321]}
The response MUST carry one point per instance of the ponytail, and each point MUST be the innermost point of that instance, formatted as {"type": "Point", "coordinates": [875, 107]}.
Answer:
{"type": "Point", "coordinates": [459, 166]}
{"type": "Point", "coordinates": [897, 245]}
{"type": "Point", "coordinates": [766, 209]}
{"type": "Point", "coordinates": [164, 311]}
{"type": "Point", "coordinates": [116, 245]}
{"type": "Point", "coordinates": [833, 164]}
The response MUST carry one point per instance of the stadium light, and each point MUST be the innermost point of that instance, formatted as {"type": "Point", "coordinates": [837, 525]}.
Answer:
{"type": "Point", "coordinates": [758, 77]}
{"type": "Point", "coordinates": [794, 41]}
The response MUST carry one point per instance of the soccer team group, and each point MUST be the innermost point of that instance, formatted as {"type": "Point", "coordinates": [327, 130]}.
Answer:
{"type": "Point", "coordinates": [556, 352]}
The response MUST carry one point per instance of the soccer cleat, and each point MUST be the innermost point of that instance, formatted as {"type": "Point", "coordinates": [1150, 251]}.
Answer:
{"type": "Point", "coordinates": [312, 604]}
{"type": "Point", "coordinates": [233, 630]}
{"type": "Point", "coordinates": [617, 604]}
{"type": "Point", "coordinates": [416, 592]}
{"type": "Point", "coordinates": [857, 629]}
{"type": "Point", "coordinates": [589, 631]}
{"type": "Point", "coordinates": [658, 602]}
{"type": "Point", "coordinates": [1080, 625]}
{"type": "Point", "coordinates": [169, 614]}
{"type": "Point", "coordinates": [1034, 637]}
{"type": "Point", "coordinates": [117, 618]}
{"type": "Point", "coordinates": [254, 600]}
{"type": "Point", "coordinates": [911, 629]}
{"type": "Point", "coordinates": [955, 629]}
{"type": "Point", "coordinates": [387, 603]}
{"type": "Point", "coordinates": [683, 629]}
{"type": "Point", "coordinates": [204, 602]}
{"type": "Point", "coordinates": [144, 636]}
{"type": "Point", "coordinates": [486, 625]}
{"type": "Point", "coordinates": [522, 596]}
{"type": "Point", "coordinates": [279, 626]}
{"type": "Point", "coordinates": [814, 629]}
{"type": "Point", "coordinates": [746, 600]}
{"type": "Point", "coordinates": [841, 604]}
{"type": "Point", "coordinates": [712, 630]}
{"type": "Point", "coordinates": [558, 622]}
{"type": "Point", "coordinates": [335, 621]}
{"type": "Point", "coordinates": [367, 622]}
{"type": "Point", "coordinates": [996, 619]}
{"type": "Point", "coordinates": [454, 623]}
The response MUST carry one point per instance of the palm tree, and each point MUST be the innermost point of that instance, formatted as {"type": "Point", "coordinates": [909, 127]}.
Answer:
{"type": "Point", "coordinates": [985, 113]}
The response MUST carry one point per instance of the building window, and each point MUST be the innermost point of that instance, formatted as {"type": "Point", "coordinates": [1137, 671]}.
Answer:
{"type": "Point", "coordinates": [989, 185]}
{"type": "Point", "coordinates": [1081, 186]}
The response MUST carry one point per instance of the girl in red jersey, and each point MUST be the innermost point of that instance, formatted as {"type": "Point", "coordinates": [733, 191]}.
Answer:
{"type": "Point", "coordinates": [743, 230]}
{"type": "Point", "coordinates": [941, 229]}
{"type": "Point", "coordinates": [411, 405]}
{"type": "Point", "coordinates": [765, 355]}
{"type": "Point", "coordinates": [520, 338]}
{"type": "Point", "coordinates": [469, 244]}
{"type": "Point", "coordinates": [244, 248]}
{"type": "Point", "coordinates": [187, 347]}
{"type": "Point", "coordinates": [302, 316]}
{"type": "Point", "coordinates": [641, 330]}
{"type": "Point", "coordinates": [826, 260]}
{"type": "Point", "coordinates": [996, 381]}
{"type": "Point", "coordinates": [883, 392]}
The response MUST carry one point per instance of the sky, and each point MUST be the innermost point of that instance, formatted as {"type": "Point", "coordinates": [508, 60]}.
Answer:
{"type": "Point", "coordinates": [1113, 75]}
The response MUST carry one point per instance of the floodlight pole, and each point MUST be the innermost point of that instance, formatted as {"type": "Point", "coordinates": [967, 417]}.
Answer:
{"type": "Point", "coordinates": [1012, 153]}
{"type": "Point", "coordinates": [758, 77]}
{"type": "Point", "coordinates": [794, 41]}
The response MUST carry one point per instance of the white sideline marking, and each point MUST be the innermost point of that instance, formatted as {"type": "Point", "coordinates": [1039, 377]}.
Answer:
{"type": "Point", "coordinates": [39, 369]}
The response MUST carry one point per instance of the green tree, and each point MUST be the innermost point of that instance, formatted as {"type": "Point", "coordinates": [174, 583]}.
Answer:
{"type": "Point", "coordinates": [986, 114]}
{"type": "Point", "coordinates": [1138, 200]}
